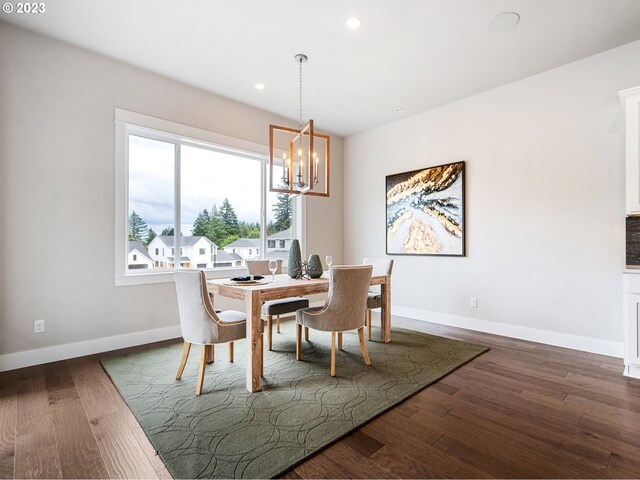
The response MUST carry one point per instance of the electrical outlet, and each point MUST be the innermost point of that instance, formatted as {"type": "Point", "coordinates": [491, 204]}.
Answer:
{"type": "Point", "coordinates": [473, 302]}
{"type": "Point", "coordinates": [38, 326]}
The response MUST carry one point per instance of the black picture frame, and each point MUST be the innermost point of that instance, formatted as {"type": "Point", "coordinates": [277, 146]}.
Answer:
{"type": "Point", "coordinates": [425, 211]}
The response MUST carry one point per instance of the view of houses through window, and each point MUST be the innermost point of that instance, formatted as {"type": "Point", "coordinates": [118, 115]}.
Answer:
{"type": "Point", "coordinates": [220, 205]}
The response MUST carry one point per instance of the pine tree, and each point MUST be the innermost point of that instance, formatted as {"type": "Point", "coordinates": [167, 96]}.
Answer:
{"type": "Point", "coordinates": [215, 230]}
{"type": "Point", "coordinates": [229, 218]}
{"type": "Point", "coordinates": [249, 229]}
{"type": "Point", "coordinates": [137, 227]}
{"type": "Point", "coordinates": [150, 236]}
{"type": "Point", "coordinates": [168, 232]}
{"type": "Point", "coordinates": [201, 224]}
{"type": "Point", "coordinates": [282, 212]}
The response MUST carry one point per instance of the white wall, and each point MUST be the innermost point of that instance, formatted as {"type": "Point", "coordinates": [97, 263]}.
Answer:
{"type": "Point", "coordinates": [57, 188]}
{"type": "Point", "coordinates": [544, 198]}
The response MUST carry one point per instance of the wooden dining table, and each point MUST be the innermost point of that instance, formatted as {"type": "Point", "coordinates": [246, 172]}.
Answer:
{"type": "Point", "coordinates": [284, 287]}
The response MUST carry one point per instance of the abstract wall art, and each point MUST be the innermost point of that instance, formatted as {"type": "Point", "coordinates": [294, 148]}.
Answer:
{"type": "Point", "coordinates": [425, 211]}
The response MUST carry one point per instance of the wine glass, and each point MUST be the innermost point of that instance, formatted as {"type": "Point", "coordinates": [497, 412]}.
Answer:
{"type": "Point", "coordinates": [273, 268]}
{"type": "Point", "coordinates": [329, 260]}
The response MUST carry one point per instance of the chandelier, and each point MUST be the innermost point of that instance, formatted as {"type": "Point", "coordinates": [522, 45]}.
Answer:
{"type": "Point", "coordinates": [301, 154]}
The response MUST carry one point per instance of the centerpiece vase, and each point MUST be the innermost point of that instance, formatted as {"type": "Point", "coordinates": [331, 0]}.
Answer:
{"type": "Point", "coordinates": [314, 266]}
{"type": "Point", "coordinates": [295, 259]}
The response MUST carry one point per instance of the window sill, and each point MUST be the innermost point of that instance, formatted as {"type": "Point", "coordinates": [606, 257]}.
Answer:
{"type": "Point", "coordinates": [167, 277]}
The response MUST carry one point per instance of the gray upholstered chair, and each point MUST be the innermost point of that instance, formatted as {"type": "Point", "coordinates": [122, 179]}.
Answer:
{"type": "Point", "coordinates": [201, 323]}
{"type": "Point", "coordinates": [344, 309]}
{"type": "Point", "coordinates": [275, 307]}
{"type": "Point", "coordinates": [381, 266]}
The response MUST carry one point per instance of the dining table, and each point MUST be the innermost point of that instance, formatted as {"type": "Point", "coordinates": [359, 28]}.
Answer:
{"type": "Point", "coordinates": [283, 286]}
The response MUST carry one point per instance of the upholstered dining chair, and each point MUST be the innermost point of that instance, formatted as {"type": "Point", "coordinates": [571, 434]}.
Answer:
{"type": "Point", "coordinates": [279, 307]}
{"type": "Point", "coordinates": [343, 310]}
{"type": "Point", "coordinates": [381, 266]}
{"type": "Point", "coordinates": [201, 324]}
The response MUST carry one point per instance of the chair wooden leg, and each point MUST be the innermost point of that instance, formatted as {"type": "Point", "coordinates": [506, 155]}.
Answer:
{"type": "Point", "coordinates": [269, 331]}
{"type": "Point", "coordinates": [368, 322]}
{"type": "Point", "coordinates": [211, 354]}
{"type": "Point", "coordinates": [203, 365]}
{"type": "Point", "coordinates": [298, 341]}
{"type": "Point", "coordinates": [363, 344]}
{"type": "Point", "coordinates": [339, 340]}
{"type": "Point", "coordinates": [183, 361]}
{"type": "Point", "coordinates": [306, 334]}
{"type": "Point", "coordinates": [262, 354]}
{"type": "Point", "coordinates": [333, 354]}
{"type": "Point", "coordinates": [278, 323]}
{"type": "Point", "coordinates": [231, 351]}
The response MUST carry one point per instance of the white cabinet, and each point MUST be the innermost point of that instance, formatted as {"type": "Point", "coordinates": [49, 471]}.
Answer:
{"type": "Point", "coordinates": [632, 323]}
{"type": "Point", "coordinates": [631, 100]}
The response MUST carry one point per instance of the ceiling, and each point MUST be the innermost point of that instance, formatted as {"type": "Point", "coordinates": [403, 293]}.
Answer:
{"type": "Point", "coordinates": [411, 54]}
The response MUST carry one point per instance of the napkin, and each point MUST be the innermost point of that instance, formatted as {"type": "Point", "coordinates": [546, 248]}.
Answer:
{"type": "Point", "coordinates": [246, 279]}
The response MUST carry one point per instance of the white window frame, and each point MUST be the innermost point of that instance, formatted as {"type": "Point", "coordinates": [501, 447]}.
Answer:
{"type": "Point", "coordinates": [127, 123]}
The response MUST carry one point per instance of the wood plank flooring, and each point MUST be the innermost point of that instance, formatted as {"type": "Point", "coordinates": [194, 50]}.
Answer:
{"type": "Point", "coordinates": [522, 410]}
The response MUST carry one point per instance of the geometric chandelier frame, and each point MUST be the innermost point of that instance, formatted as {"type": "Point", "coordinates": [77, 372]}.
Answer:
{"type": "Point", "coordinates": [303, 154]}
{"type": "Point", "coordinates": [300, 177]}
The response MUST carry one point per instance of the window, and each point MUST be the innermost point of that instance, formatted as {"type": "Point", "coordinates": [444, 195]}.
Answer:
{"type": "Point", "coordinates": [282, 243]}
{"type": "Point", "coordinates": [135, 257]}
{"type": "Point", "coordinates": [177, 184]}
{"type": "Point", "coordinates": [271, 244]}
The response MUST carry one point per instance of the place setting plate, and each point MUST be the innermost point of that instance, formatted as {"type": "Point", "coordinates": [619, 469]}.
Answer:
{"type": "Point", "coordinates": [248, 281]}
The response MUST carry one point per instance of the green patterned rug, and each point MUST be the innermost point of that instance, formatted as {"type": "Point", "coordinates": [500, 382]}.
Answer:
{"type": "Point", "coordinates": [229, 433]}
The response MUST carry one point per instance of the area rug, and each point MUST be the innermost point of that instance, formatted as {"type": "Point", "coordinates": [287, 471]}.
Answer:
{"type": "Point", "coordinates": [228, 432]}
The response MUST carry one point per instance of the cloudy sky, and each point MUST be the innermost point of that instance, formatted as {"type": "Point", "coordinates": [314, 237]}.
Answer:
{"type": "Point", "coordinates": [207, 179]}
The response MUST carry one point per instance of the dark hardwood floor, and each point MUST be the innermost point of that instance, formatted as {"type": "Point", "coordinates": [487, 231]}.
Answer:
{"type": "Point", "coordinates": [522, 410]}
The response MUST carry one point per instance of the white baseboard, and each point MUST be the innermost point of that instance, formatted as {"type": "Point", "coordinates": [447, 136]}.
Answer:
{"type": "Point", "coordinates": [28, 358]}
{"type": "Point", "coordinates": [632, 371]}
{"type": "Point", "coordinates": [575, 342]}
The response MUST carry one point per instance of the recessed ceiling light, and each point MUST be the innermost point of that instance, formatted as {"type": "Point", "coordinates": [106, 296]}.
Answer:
{"type": "Point", "coordinates": [353, 23]}
{"type": "Point", "coordinates": [503, 22]}
{"type": "Point", "coordinates": [259, 86]}
{"type": "Point", "coordinates": [400, 109]}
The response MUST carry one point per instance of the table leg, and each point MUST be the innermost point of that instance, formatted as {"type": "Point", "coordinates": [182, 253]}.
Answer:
{"type": "Point", "coordinates": [254, 340]}
{"type": "Point", "coordinates": [385, 311]}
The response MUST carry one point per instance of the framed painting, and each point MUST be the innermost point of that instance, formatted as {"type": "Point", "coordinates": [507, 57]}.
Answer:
{"type": "Point", "coordinates": [425, 211]}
